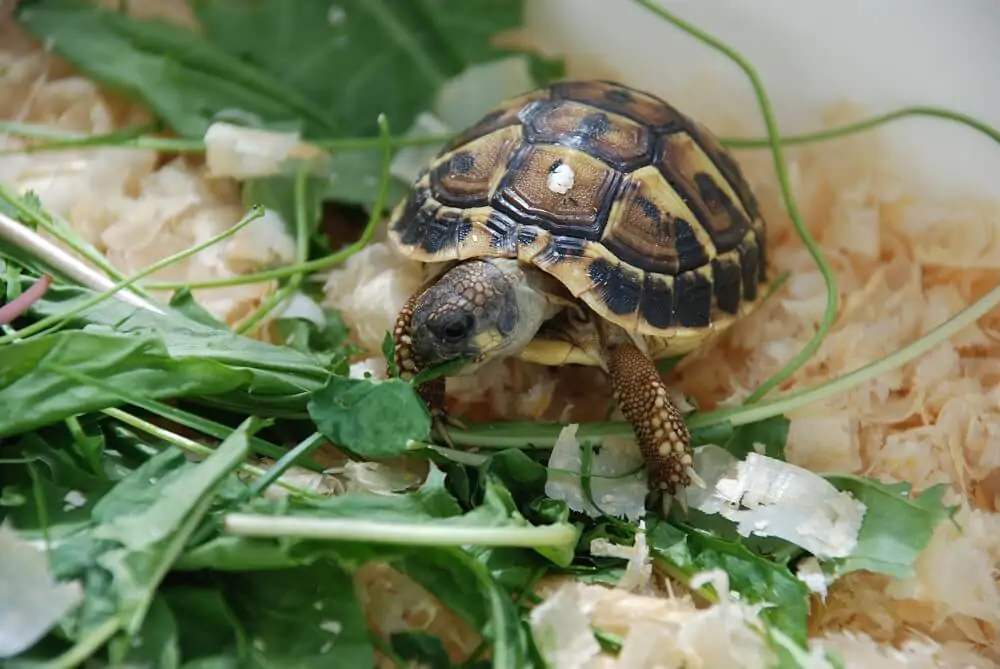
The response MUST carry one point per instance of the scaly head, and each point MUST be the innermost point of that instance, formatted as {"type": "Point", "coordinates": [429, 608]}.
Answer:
{"type": "Point", "coordinates": [477, 311]}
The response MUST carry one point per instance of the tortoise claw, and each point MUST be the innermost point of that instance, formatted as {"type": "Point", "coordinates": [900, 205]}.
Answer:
{"type": "Point", "coordinates": [440, 421]}
{"type": "Point", "coordinates": [695, 478]}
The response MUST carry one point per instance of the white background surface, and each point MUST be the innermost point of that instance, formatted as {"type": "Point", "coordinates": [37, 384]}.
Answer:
{"type": "Point", "coordinates": [882, 54]}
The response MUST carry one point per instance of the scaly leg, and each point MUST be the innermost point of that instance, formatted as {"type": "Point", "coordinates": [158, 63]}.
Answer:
{"type": "Point", "coordinates": [659, 426]}
{"type": "Point", "coordinates": [433, 391]}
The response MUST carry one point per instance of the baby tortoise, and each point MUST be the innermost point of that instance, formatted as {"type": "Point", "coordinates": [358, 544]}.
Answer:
{"type": "Point", "coordinates": [583, 223]}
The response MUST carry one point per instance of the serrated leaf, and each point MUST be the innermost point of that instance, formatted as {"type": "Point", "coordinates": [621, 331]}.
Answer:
{"type": "Point", "coordinates": [185, 79]}
{"type": "Point", "coordinates": [896, 527]}
{"type": "Point", "coordinates": [772, 433]}
{"type": "Point", "coordinates": [360, 58]}
{"type": "Point", "coordinates": [372, 419]}
{"type": "Point", "coordinates": [756, 579]}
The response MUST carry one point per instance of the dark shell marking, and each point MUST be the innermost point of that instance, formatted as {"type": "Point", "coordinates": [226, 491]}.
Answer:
{"type": "Point", "coordinates": [659, 232]}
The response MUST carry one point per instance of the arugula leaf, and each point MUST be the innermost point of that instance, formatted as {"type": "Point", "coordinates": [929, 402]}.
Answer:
{"type": "Point", "coordinates": [771, 432]}
{"type": "Point", "coordinates": [137, 531]}
{"type": "Point", "coordinates": [33, 395]}
{"type": "Point", "coordinates": [277, 193]}
{"type": "Point", "coordinates": [154, 356]}
{"type": "Point", "coordinates": [896, 527]}
{"type": "Point", "coordinates": [353, 179]}
{"type": "Point", "coordinates": [155, 644]}
{"type": "Point", "coordinates": [420, 648]}
{"type": "Point", "coordinates": [207, 626]}
{"type": "Point", "coordinates": [328, 345]}
{"type": "Point", "coordinates": [388, 352]}
{"type": "Point", "coordinates": [467, 587]}
{"type": "Point", "coordinates": [361, 57]}
{"type": "Point", "coordinates": [372, 419]}
{"type": "Point", "coordinates": [185, 337]}
{"type": "Point", "coordinates": [303, 617]}
{"type": "Point", "coordinates": [689, 551]}
{"type": "Point", "coordinates": [183, 78]}
{"type": "Point", "coordinates": [184, 303]}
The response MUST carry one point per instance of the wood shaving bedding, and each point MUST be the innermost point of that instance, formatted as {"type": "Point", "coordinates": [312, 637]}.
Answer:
{"type": "Point", "coordinates": [902, 257]}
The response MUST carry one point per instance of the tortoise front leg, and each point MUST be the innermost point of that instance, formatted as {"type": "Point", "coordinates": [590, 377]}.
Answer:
{"type": "Point", "coordinates": [432, 392]}
{"type": "Point", "coordinates": [659, 425]}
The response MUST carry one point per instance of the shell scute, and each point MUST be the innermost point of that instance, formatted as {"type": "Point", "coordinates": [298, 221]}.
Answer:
{"type": "Point", "coordinates": [650, 222]}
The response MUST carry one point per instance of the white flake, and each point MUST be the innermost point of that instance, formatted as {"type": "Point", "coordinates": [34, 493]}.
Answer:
{"type": "Point", "coordinates": [561, 179]}
{"type": "Point", "coordinates": [768, 497]}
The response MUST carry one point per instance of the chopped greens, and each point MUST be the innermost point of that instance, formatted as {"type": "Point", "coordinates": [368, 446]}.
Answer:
{"type": "Point", "coordinates": [137, 544]}
{"type": "Point", "coordinates": [372, 419]}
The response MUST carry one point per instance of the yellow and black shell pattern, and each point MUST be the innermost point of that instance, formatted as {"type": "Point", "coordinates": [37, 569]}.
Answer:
{"type": "Point", "coordinates": [634, 207]}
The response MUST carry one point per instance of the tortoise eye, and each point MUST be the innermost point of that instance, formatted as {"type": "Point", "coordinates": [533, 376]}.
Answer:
{"type": "Point", "coordinates": [455, 328]}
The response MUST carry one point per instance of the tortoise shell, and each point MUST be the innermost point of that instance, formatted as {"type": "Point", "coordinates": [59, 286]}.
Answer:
{"type": "Point", "coordinates": [634, 207]}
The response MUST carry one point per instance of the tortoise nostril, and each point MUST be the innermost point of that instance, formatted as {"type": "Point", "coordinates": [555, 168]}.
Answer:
{"type": "Point", "coordinates": [455, 328]}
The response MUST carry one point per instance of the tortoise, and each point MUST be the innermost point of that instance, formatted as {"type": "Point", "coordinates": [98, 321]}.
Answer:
{"type": "Point", "coordinates": [586, 222]}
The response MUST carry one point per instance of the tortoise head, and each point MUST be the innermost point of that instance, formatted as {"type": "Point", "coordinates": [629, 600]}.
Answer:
{"type": "Point", "coordinates": [477, 311]}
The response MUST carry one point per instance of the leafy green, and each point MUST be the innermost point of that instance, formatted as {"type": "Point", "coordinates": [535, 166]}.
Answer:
{"type": "Point", "coordinates": [183, 78]}
{"type": "Point", "coordinates": [353, 179]}
{"type": "Point", "coordinates": [360, 58]}
{"type": "Point", "coordinates": [34, 397]}
{"type": "Point", "coordinates": [155, 643]}
{"type": "Point", "coordinates": [303, 617]}
{"type": "Point", "coordinates": [689, 551]}
{"type": "Point", "coordinates": [772, 433]}
{"type": "Point", "coordinates": [328, 344]}
{"type": "Point", "coordinates": [372, 419]}
{"type": "Point", "coordinates": [154, 356]}
{"type": "Point", "coordinates": [136, 532]}
{"type": "Point", "coordinates": [896, 526]}
{"type": "Point", "coordinates": [418, 647]}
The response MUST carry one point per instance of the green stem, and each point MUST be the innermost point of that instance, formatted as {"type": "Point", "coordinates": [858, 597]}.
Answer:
{"type": "Point", "coordinates": [865, 125]}
{"type": "Point", "coordinates": [88, 645]}
{"type": "Point", "coordinates": [55, 319]}
{"type": "Point", "coordinates": [515, 434]}
{"type": "Point", "coordinates": [195, 448]}
{"type": "Point", "coordinates": [386, 532]}
{"type": "Point", "coordinates": [62, 231]}
{"type": "Point", "coordinates": [830, 313]}
{"type": "Point", "coordinates": [274, 473]}
{"type": "Point", "coordinates": [321, 263]}
{"type": "Point", "coordinates": [130, 138]}
{"type": "Point", "coordinates": [301, 255]}
{"type": "Point", "coordinates": [72, 140]}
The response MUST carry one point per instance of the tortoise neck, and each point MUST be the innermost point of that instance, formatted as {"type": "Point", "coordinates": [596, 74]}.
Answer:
{"type": "Point", "coordinates": [532, 294]}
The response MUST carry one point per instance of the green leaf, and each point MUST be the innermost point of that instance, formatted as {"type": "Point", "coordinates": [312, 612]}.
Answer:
{"type": "Point", "coordinates": [184, 303]}
{"type": "Point", "coordinates": [689, 551]}
{"type": "Point", "coordinates": [206, 623]}
{"type": "Point", "coordinates": [420, 648]}
{"type": "Point", "coordinates": [328, 344]}
{"type": "Point", "coordinates": [277, 193]}
{"type": "Point", "coordinates": [138, 531]}
{"type": "Point", "coordinates": [444, 369]}
{"type": "Point", "coordinates": [772, 433]}
{"type": "Point", "coordinates": [375, 420]}
{"type": "Point", "coordinates": [154, 356]}
{"type": "Point", "coordinates": [353, 178]}
{"type": "Point", "coordinates": [156, 644]}
{"type": "Point", "coordinates": [306, 617]}
{"type": "Point", "coordinates": [361, 57]}
{"type": "Point", "coordinates": [467, 587]}
{"type": "Point", "coordinates": [389, 353]}
{"type": "Point", "coordinates": [183, 78]}
{"type": "Point", "coordinates": [34, 395]}
{"type": "Point", "coordinates": [896, 527]}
